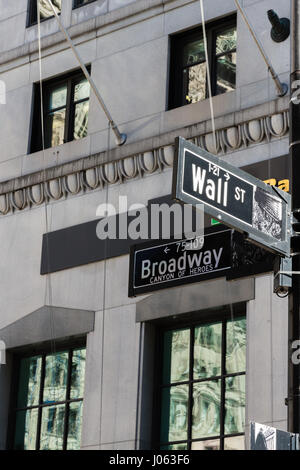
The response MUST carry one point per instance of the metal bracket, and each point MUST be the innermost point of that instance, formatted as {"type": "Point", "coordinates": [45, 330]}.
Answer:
{"type": "Point", "coordinates": [282, 276]}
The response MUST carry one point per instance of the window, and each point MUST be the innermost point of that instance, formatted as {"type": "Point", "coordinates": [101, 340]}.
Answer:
{"type": "Point", "coordinates": [45, 10]}
{"type": "Point", "coordinates": [49, 401]}
{"type": "Point", "coordinates": [202, 391]}
{"type": "Point", "coordinates": [79, 3]}
{"type": "Point", "coordinates": [188, 78]}
{"type": "Point", "coordinates": [66, 109]}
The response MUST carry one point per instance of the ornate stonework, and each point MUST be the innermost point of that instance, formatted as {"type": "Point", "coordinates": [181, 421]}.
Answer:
{"type": "Point", "coordinates": [228, 140]}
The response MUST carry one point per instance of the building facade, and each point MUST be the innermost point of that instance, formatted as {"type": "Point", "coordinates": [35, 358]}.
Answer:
{"type": "Point", "coordinates": [87, 366]}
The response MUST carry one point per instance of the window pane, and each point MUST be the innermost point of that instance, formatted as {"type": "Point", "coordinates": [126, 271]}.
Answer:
{"type": "Point", "coordinates": [81, 120]}
{"type": "Point", "coordinates": [45, 9]}
{"type": "Point", "coordinates": [213, 444]}
{"type": "Point", "coordinates": [82, 90]}
{"type": "Point", "coordinates": [234, 443]}
{"type": "Point", "coordinates": [174, 416]}
{"type": "Point", "coordinates": [226, 71]}
{"type": "Point", "coordinates": [82, 2]}
{"type": "Point", "coordinates": [29, 383]}
{"type": "Point", "coordinates": [196, 87]}
{"type": "Point", "coordinates": [206, 409]}
{"type": "Point", "coordinates": [208, 351]}
{"type": "Point", "coordinates": [236, 346]}
{"type": "Point", "coordinates": [176, 356]}
{"type": "Point", "coordinates": [56, 128]}
{"type": "Point", "coordinates": [77, 375]}
{"type": "Point", "coordinates": [226, 41]}
{"type": "Point", "coordinates": [193, 52]}
{"type": "Point", "coordinates": [235, 404]}
{"type": "Point", "coordinates": [26, 429]}
{"type": "Point", "coordinates": [182, 446]}
{"type": "Point", "coordinates": [52, 429]}
{"type": "Point", "coordinates": [58, 97]}
{"type": "Point", "coordinates": [74, 433]}
{"type": "Point", "coordinates": [56, 377]}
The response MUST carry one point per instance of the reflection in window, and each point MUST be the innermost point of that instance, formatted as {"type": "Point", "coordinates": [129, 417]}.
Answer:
{"type": "Point", "coordinates": [79, 3]}
{"type": "Point", "coordinates": [67, 120]}
{"type": "Point", "coordinates": [207, 350]}
{"type": "Point", "coordinates": [174, 420]}
{"type": "Point", "coordinates": [50, 392]}
{"type": "Point", "coordinates": [207, 444]}
{"type": "Point", "coordinates": [177, 350]}
{"type": "Point", "coordinates": [44, 8]}
{"type": "Point", "coordinates": [236, 346]}
{"type": "Point", "coordinates": [188, 75]}
{"type": "Point", "coordinates": [206, 409]}
{"type": "Point", "coordinates": [66, 110]}
{"type": "Point", "coordinates": [203, 386]}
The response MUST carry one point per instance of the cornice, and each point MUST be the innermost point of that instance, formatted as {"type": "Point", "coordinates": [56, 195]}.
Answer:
{"type": "Point", "coordinates": [120, 165]}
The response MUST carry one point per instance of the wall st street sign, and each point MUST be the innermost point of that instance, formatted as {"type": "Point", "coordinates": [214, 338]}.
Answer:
{"type": "Point", "coordinates": [170, 264]}
{"type": "Point", "coordinates": [232, 196]}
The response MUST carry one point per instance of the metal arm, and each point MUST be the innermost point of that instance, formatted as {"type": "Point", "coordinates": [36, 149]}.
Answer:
{"type": "Point", "coordinates": [120, 138]}
{"type": "Point", "coordinates": [282, 88]}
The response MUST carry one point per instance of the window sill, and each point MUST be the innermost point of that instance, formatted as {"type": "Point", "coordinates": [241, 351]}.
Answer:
{"type": "Point", "coordinates": [195, 113]}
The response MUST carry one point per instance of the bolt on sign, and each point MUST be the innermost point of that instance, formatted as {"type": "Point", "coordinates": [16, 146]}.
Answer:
{"type": "Point", "coordinates": [232, 196]}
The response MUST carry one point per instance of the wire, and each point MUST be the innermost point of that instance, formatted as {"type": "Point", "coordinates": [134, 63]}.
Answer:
{"type": "Point", "coordinates": [104, 291]}
{"type": "Point", "coordinates": [208, 75]}
{"type": "Point", "coordinates": [48, 286]}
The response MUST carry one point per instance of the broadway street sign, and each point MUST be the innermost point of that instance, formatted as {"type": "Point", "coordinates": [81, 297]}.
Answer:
{"type": "Point", "coordinates": [179, 262]}
{"type": "Point", "coordinates": [232, 196]}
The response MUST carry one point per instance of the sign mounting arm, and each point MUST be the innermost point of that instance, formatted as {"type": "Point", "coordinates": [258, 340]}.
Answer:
{"type": "Point", "coordinates": [120, 138]}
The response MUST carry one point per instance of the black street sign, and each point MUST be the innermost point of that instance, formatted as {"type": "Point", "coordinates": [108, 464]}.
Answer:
{"type": "Point", "coordinates": [232, 196]}
{"type": "Point", "coordinates": [264, 437]}
{"type": "Point", "coordinates": [170, 264]}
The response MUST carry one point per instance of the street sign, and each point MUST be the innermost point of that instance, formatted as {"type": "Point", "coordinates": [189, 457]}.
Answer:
{"type": "Point", "coordinates": [232, 196]}
{"type": "Point", "coordinates": [170, 264]}
{"type": "Point", "coordinates": [263, 437]}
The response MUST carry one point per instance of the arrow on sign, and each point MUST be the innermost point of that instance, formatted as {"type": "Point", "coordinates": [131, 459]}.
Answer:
{"type": "Point", "coordinates": [227, 176]}
{"type": "Point", "coordinates": [166, 250]}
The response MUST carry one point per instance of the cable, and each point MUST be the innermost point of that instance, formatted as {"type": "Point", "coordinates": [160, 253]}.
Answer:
{"type": "Point", "coordinates": [104, 293]}
{"type": "Point", "coordinates": [48, 287]}
{"type": "Point", "coordinates": [208, 76]}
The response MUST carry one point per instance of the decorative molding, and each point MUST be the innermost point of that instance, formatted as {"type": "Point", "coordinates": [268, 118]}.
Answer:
{"type": "Point", "coordinates": [228, 140]}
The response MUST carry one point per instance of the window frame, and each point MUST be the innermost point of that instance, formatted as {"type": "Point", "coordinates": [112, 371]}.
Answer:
{"type": "Point", "coordinates": [42, 350]}
{"type": "Point", "coordinates": [76, 4]}
{"type": "Point", "coordinates": [32, 14]}
{"type": "Point", "coordinates": [176, 96]}
{"type": "Point", "coordinates": [194, 320]}
{"type": "Point", "coordinates": [70, 79]}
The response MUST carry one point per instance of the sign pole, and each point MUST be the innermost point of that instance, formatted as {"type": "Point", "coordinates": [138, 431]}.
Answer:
{"type": "Point", "coordinates": [294, 298]}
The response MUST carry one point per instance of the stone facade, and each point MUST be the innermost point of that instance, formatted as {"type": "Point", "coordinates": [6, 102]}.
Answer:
{"type": "Point", "coordinates": [127, 44]}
